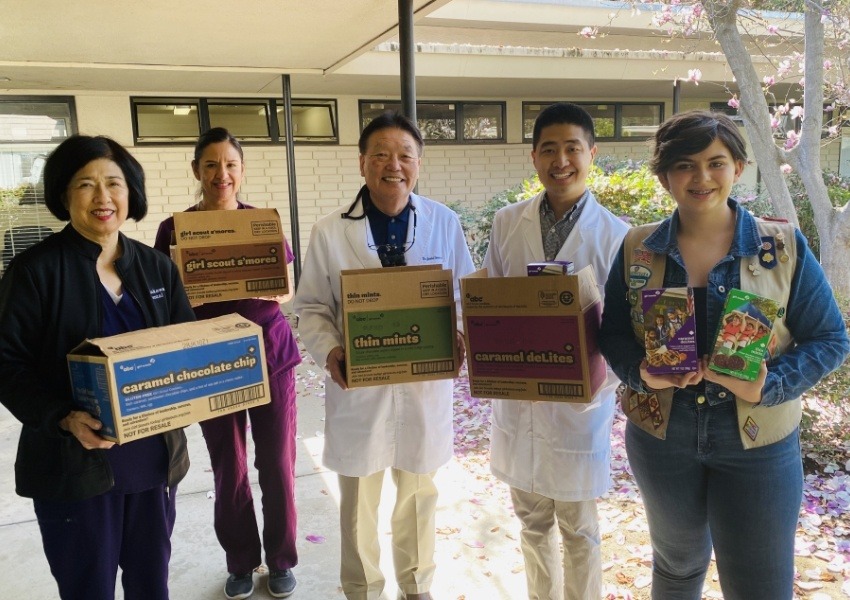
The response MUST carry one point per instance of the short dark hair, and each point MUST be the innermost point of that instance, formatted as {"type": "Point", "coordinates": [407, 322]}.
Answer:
{"type": "Point", "coordinates": [564, 113]}
{"type": "Point", "coordinates": [692, 132]}
{"type": "Point", "coordinates": [75, 153]}
{"type": "Point", "coordinates": [390, 120]}
{"type": "Point", "coordinates": [214, 136]}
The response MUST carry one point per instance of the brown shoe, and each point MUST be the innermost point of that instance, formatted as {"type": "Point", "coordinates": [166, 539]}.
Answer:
{"type": "Point", "coordinates": [422, 596]}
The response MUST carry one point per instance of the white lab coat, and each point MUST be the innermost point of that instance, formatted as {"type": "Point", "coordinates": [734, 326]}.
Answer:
{"type": "Point", "coordinates": [407, 426]}
{"type": "Point", "coordinates": [557, 449]}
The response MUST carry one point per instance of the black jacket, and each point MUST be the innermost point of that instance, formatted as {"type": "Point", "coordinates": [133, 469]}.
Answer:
{"type": "Point", "coordinates": [49, 302]}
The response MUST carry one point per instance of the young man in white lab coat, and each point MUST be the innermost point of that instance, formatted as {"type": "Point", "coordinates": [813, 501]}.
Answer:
{"type": "Point", "coordinates": [405, 427]}
{"type": "Point", "coordinates": [555, 456]}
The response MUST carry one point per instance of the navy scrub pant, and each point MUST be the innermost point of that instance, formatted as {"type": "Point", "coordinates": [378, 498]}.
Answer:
{"type": "Point", "coordinates": [85, 542]}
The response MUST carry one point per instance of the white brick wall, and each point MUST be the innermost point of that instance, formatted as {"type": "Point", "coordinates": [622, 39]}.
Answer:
{"type": "Point", "coordinates": [329, 177]}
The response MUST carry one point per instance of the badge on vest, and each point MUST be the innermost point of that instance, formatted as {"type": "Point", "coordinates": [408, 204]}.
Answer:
{"type": "Point", "coordinates": [751, 428]}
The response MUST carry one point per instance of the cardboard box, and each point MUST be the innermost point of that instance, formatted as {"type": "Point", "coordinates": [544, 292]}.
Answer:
{"type": "Point", "coordinates": [533, 338]}
{"type": "Point", "coordinates": [230, 254]}
{"type": "Point", "coordinates": [152, 380]}
{"type": "Point", "coordinates": [400, 325]}
{"type": "Point", "coordinates": [743, 334]}
{"type": "Point", "coordinates": [670, 333]}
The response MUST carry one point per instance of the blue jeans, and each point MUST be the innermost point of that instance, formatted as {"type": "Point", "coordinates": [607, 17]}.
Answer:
{"type": "Point", "coordinates": [700, 487]}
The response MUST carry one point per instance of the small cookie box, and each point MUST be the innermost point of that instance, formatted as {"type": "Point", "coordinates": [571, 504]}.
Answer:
{"type": "Point", "coordinates": [669, 330]}
{"type": "Point", "coordinates": [553, 267]}
{"type": "Point", "coordinates": [743, 334]}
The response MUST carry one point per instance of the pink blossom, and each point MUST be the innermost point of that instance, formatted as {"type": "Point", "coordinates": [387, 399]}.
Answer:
{"type": "Point", "coordinates": [786, 169]}
{"type": "Point", "coordinates": [768, 80]}
{"type": "Point", "coordinates": [694, 75]}
{"type": "Point", "coordinates": [588, 32]}
{"type": "Point", "coordinates": [797, 112]}
{"type": "Point", "coordinates": [784, 68]}
{"type": "Point", "coordinates": [833, 130]}
{"type": "Point", "coordinates": [774, 123]}
{"type": "Point", "coordinates": [772, 29]}
{"type": "Point", "coordinates": [733, 102]}
{"type": "Point", "coordinates": [792, 138]}
{"type": "Point", "coordinates": [827, 64]}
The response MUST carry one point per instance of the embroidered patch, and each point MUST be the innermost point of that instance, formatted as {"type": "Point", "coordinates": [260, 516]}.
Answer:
{"type": "Point", "coordinates": [751, 428]}
{"type": "Point", "coordinates": [638, 276]}
{"type": "Point", "coordinates": [639, 255]}
{"type": "Point", "coordinates": [657, 419]}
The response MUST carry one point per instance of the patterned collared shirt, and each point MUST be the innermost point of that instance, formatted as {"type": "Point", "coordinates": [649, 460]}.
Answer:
{"type": "Point", "coordinates": [556, 233]}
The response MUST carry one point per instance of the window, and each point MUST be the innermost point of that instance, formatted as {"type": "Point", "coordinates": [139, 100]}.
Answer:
{"type": "Point", "coordinates": [447, 122]}
{"type": "Point", "coordinates": [613, 121]}
{"type": "Point", "coordinates": [181, 120]}
{"type": "Point", "coordinates": [30, 128]}
{"type": "Point", "coordinates": [312, 120]}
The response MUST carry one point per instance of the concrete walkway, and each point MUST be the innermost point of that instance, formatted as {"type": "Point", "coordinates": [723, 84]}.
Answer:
{"type": "Point", "coordinates": [477, 551]}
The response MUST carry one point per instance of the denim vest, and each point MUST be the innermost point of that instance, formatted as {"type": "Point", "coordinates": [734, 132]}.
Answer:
{"type": "Point", "coordinates": [758, 425]}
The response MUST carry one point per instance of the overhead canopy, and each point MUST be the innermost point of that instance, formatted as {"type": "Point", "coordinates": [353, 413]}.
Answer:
{"type": "Point", "coordinates": [187, 46]}
{"type": "Point", "coordinates": [465, 48]}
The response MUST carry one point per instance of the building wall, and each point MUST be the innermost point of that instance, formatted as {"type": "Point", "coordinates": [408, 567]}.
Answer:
{"type": "Point", "coordinates": [329, 176]}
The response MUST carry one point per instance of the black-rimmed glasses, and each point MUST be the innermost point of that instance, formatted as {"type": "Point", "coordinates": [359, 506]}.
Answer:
{"type": "Point", "coordinates": [392, 255]}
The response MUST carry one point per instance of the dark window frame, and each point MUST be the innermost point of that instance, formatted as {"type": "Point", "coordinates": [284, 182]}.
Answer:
{"type": "Point", "coordinates": [618, 117]}
{"type": "Point", "coordinates": [32, 99]}
{"type": "Point", "coordinates": [275, 138]}
{"type": "Point", "coordinates": [459, 115]}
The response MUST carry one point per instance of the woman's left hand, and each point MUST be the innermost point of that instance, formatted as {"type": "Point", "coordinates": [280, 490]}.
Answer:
{"type": "Point", "coordinates": [748, 391]}
{"type": "Point", "coordinates": [84, 427]}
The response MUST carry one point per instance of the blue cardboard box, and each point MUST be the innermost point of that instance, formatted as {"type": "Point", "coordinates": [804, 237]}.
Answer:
{"type": "Point", "coordinates": [149, 381]}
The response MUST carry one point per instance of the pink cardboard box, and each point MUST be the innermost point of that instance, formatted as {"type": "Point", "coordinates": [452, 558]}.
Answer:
{"type": "Point", "coordinates": [533, 338]}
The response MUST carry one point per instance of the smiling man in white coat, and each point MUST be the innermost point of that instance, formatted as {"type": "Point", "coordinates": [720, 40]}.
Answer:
{"type": "Point", "coordinates": [555, 456]}
{"type": "Point", "coordinates": [405, 427]}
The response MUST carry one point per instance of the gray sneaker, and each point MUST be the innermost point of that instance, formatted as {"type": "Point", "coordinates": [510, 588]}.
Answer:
{"type": "Point", "coordinates": [239, 587]}
{"type": "Point", "coordinates": [281, 583]}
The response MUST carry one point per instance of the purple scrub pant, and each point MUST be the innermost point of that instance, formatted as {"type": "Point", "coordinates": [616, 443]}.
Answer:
{"type": "Point", "coordinates": [273, 431]}
{"type": "Point", "coordinates": [85, 542]}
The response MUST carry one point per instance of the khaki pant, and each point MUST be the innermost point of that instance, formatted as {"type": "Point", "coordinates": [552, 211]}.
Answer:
{"type": "Point", "coordinates": [413, 533]}
{"type": "Point", "coordinates": [542, 518]}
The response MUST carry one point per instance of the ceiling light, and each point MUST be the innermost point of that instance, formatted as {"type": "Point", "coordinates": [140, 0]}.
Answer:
{"type": "Point", "coordinates": [182, 110]}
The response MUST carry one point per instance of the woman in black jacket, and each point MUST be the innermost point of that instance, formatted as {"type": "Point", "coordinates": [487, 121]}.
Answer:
{"type": "Point", "coordinates": [99, 505]}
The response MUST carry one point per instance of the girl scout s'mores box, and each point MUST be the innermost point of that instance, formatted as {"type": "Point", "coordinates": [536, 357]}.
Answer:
{"type": "Point", "coordinates": [230, 254]}
{"type": "Point", "coordinates": [669, 330]}
{"type": "Point", "coordinates": [743, 334]}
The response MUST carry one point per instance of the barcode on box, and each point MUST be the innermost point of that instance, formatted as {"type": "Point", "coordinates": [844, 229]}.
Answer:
{"type": "Point", "coordinates": [560, 389]}
{"type": "Point", "coordinates": [261, 285]}
{"type": "Point", "coordinates": [236, 397]}
{"type": "Point", "coordinates": [432, 366]}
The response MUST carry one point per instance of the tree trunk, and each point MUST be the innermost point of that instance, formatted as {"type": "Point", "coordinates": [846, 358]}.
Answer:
{"type": "Point", "coordinates": [833, 225]}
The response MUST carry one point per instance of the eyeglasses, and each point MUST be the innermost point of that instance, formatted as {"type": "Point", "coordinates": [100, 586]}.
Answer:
{"type": "Point", "coordinates": [383, 158]}
{"type": "Point", "coordinates": [392, 255]}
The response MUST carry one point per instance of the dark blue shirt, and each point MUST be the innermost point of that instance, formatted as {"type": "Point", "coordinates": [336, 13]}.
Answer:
{"type": "Point", "coordinates": [141, 464]}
